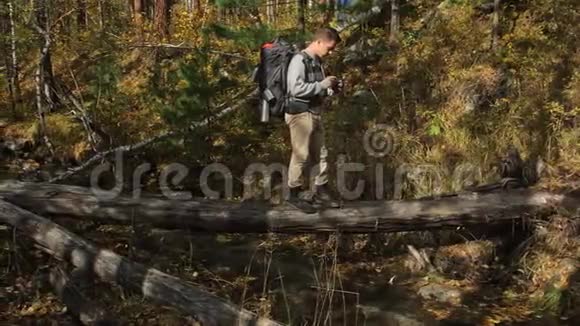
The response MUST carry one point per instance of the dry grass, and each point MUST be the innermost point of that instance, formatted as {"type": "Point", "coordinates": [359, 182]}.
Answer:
{"type": "Point", "coordinates": [66, 135]}
{"type": "Point", "coordinates": [471, 260]}
{"type": "Point", "coordinates": [19, 130]}
{"type": "Point", "coordinates": [550, 263]}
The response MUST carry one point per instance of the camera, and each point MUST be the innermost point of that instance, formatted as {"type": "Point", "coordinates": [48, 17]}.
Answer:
{"type": "Point", "coordinates": [339, 86]}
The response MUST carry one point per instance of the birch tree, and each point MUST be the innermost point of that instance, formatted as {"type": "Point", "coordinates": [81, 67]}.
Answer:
{"type": "Point", "coordinates": [394, 35]}
{"type": "Point", "coordinates": [44, 78]}
{"type": "Point", "coordinates": [495, 25]}
{"type": "Point", "coordinates": [12, 65]}
{"type": "Point", "coordinates": [270, 13]}
{"type": "Point", "coordinates": [102, 12]}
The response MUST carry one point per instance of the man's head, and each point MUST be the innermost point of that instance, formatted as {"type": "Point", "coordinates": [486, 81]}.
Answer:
{"type": "Point", "coordinates": [324, 41]}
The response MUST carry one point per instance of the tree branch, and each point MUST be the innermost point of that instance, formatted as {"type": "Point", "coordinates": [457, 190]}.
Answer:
{"type": "Point", "coordinates": [78, 110]}
{"type": "Point", "coordinates": [143, 143]}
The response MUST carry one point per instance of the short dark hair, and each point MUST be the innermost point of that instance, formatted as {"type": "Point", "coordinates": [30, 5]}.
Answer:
{"type": "Point", "coordinates": [327, 34]}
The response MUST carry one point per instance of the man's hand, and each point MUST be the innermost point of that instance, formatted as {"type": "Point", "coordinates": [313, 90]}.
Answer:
{"type": "Point", "coordinates": [329, 82]}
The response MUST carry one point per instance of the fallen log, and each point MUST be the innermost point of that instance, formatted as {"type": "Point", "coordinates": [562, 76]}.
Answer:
{"type": "Point", "coordinates": [67, 289]}
{"type": "Point", "coordinates": [54, 200]}
{"type": "Point", "coordinates": [110, 267]}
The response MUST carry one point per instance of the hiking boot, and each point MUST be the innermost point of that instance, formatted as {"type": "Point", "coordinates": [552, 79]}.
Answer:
{"type": "Point", "coordinates": [299, 200]}
{"type": "Point", "coordinates": [324, 196]}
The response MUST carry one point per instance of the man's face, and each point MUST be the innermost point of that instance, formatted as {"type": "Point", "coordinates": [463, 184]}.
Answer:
{"type": "Point", "coordinates": [325, 47]}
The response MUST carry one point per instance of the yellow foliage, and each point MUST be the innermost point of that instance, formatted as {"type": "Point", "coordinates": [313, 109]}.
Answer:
{"type": "Point", "coordinates": [66, 135]}
{"type": "Point", "coordinates": [135, 81]}
{"type": "Point", "coordinates": [572, 91]}
{"type": "Point", "coordinates": [187, 25]}
{"type": "Point", "coordinates": [23, 130]}
{"type": "Point", "coordinates": [569, 152]}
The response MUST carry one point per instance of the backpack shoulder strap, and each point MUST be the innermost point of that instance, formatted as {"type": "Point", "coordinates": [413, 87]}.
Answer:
{"type": "Point", "coordinates": [305, 57]}
{"type": "Point", "coordinates": [307, 64]}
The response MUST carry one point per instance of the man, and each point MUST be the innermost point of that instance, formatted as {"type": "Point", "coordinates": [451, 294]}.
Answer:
{"type": "Point", "coordinates": [307, 86]}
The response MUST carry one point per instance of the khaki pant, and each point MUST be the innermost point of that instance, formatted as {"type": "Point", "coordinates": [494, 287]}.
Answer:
{"type": "Point", "coordinates": [308, 150]}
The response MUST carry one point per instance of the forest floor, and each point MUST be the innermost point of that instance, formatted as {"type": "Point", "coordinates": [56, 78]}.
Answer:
{"type": "Point", "coordinates": [524, 274]}
{"type": "Point", "coordinates": [521, 274]}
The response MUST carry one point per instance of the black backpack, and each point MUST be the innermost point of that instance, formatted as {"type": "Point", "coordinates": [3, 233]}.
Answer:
{"type": "Point", "coordinates": [271, 73]}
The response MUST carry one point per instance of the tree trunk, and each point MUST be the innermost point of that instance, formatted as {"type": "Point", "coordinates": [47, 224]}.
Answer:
{"type": "Point", "coordinates": [13, 70]}
{"type": "Point", "coordinates": [495, 25]}
{"type": "Point", "coordinates": [113, 268]}
{"type": "Point", "coordinates": [4, 30]}
{"type": "Point", "coordinates": [270, 16]}
{"type": "Point", "coordinates": [53, 200]}
{"type": "Point", "coordinates": [302, 17]}
{"type": "Point", "coordinates": [46, 72]}
{"type": "Point", "coordinates": [44, 92]}
{"type": "Point", "coordinates": [138, 12]}
{"type": "Point", "coordinates": [42, 112]}
{"type": "Point", "coordinates": [192, 6]}
{"type": "Point", "coordinates": [4, 46]}
{"type": "Point", "coordinates": [150, 9]}
{"type": "Point", "coordinates": [162, 18]}
{"type": "Point", "coordinates": [394, 35]}
{"type": "Point", "coordinates": [82, 14]}
{"type": "Point", "coordinates": [102, 12]}
{"type": "Point", "coordinates": [48, 78]}
{"type": "Point", "coordinates": [276, 10]}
